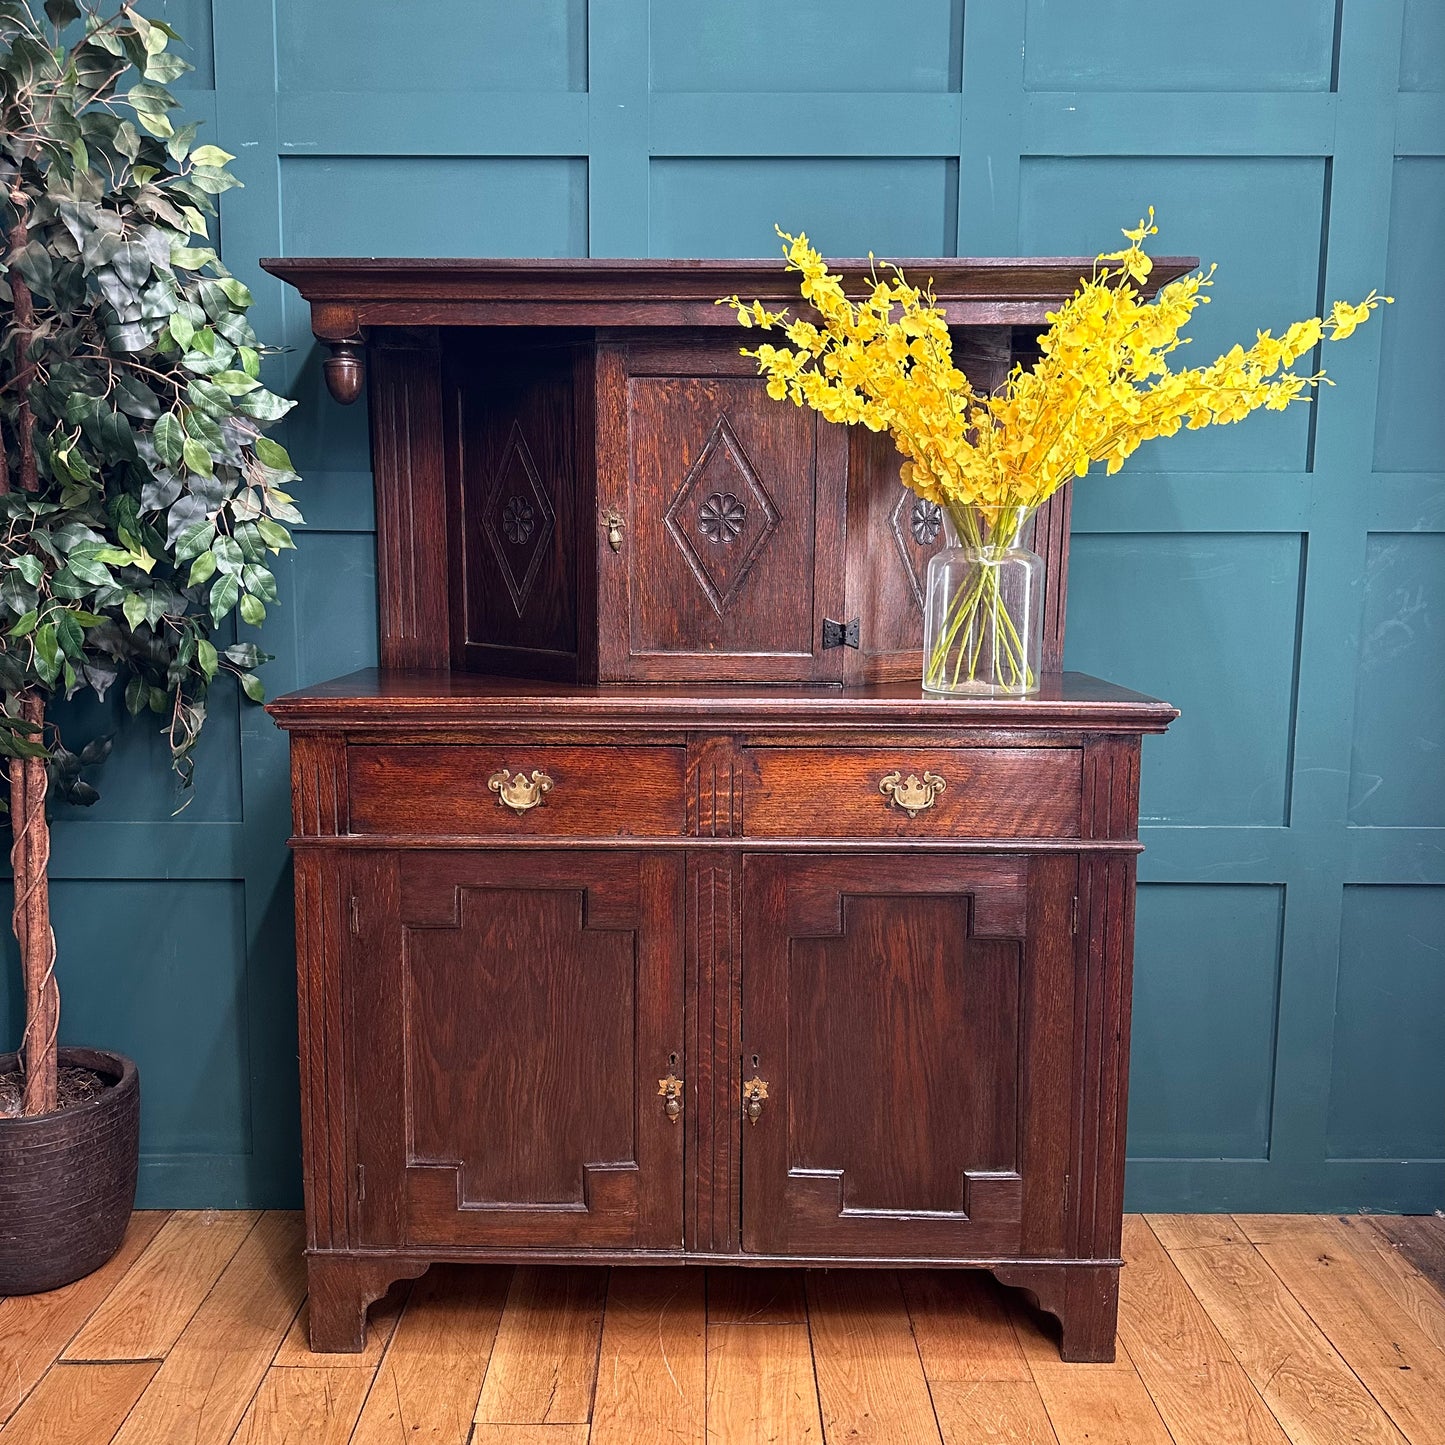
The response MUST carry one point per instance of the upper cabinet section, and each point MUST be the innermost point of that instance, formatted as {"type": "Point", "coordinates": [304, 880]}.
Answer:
{"type": "Point", "coordinates": [578, 476]}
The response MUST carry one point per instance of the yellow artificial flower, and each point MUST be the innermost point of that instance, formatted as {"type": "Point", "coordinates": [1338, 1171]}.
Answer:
{"type": "Point", "coordinates": [1101, 388]}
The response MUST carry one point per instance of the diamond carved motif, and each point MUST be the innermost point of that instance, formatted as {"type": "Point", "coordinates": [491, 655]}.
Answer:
{"type": "Point", "coordinates": [916, 526]}
{"type": "Point", "coordinates": [722, 516]}
{"type": "Point", "coordinates": [517, 518]}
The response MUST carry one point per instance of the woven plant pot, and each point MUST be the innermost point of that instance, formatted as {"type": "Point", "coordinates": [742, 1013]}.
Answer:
{"type": "Point", "coordinates": [67, 1180]}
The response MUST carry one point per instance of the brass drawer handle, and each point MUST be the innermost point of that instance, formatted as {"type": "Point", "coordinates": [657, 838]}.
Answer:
{"type": "Point", "coordinates": [911, 794]}
{"type": "Point", "coordinates": [670, 1091]}
{"type": "Point", "coordinates": [754, 1092]}
{"type": "Point", "coordinates": [521, 792]}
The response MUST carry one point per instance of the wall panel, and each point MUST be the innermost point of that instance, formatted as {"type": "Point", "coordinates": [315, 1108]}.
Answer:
{"type": "Point", "coordinates": [727, 205]}
{"type": "Point", "coordinates": [1388, 1095]}
{"type": "Point", "coordinates": [1201, 1101]}
{"type": "Point", "coordinates": [1238, 45]}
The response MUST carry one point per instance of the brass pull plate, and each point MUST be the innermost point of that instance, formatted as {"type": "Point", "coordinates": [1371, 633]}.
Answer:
{"type": "Point", "coordinates": [754, 1092]}
{"type": "Point", "coordinates": [521, 792]}
{"type": "Point", "coordinates": [670, 1092]}
{"type": "Point", "coordinates": [913, 794]}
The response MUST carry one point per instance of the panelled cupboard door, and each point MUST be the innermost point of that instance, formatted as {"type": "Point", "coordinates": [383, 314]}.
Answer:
{"type": "Point", "coordinates": [514, 1017]}
{"type": "Point", "coordinates": [910, 1017]}
{"type": "Point", "coordinates": [732, 507]}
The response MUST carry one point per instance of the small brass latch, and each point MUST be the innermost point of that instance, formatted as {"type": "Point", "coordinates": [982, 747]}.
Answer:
{"type": "Point", "coordinates": [754, 1092]}
{"type": "Point", "coordinates": [521, 792]}
{"type": "Point", "coordinates": [911, 794]}
{"type": "Point", "coordinates": [612, 519]}
{"type": "Point", "coordinates": [670, 1091]}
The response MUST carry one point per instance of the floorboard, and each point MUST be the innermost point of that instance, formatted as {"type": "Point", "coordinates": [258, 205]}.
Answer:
{"type": "Point", "coordinates": [207, 1379]}
{"type": "Point", "coordinates": [1310, 1389]}
{"type": "Point", "coordinates": [1248, 1330]}
{"type": "Point", "coordinates": [35, 1328]}
{"type": "Point", "coordinates": [430, 1378]}
{"type": "Point", "coordinates": [544, 1364]}
{"type": "Point", "coordinates": [870, 1376]}
{"type": "Point", "coordinates": [1393, 1357]}
{"type": "Point", "coordinates": [146, 1312]}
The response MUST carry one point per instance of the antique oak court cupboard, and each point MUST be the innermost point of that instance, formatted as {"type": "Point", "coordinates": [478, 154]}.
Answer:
{"type": "Point", "coordinates": [646, 908]}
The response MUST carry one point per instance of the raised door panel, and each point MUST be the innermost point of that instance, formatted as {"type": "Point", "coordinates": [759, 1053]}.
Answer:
{"type": "Point", "coordinates": [901, 1012]}
{"type": "Point", "coordinates": [518, 474]}
{"type": "Point", "coordinates": [733, 523]}
{"type": "Point", "coordinates": [517, 1012]}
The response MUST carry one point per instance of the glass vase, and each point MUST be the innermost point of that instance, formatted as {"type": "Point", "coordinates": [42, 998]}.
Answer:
{"type": "Point", "coordinates": [983, 610]}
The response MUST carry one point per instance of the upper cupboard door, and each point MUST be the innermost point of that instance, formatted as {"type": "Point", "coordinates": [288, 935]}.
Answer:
{"type": "Point", "coordinates": [731, 553]}
{"type": "Point", "coordinates": [517, 1018]}
{"type": "Point", "coordinates": [907, 1032]}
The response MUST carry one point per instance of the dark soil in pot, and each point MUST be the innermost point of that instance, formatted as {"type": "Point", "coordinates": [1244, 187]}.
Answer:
{"type": "Point", "coordinates": [67, 1179]}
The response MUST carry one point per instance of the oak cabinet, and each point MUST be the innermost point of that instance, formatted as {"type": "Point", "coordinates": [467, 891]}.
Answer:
{"type": "Point", "coordinates": [647, 910]}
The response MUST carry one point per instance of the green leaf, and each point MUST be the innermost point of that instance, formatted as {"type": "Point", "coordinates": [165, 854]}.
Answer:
{"type": "Point", "coordinates": [83, 564]}
{"type": "Point", "coordinates": [26, 624]}
{"type": "Point", "coordinates": [197, 458]}
{"type": "Point", "coordinates": [206, 656]}
{"type": "Point", "coordinates": [211, 156]}
{"type": "Point", "coordinates": [70, 635]}
{"type": "Point", "coordinates": [47, 654]}
{"type": "Point", "coordinates": [276, 537]}
{"type": "Point", "coordinates": [272, 454]}
{"type": "Point", "coordinates": [202, 570]}
{"type": "Point", "coordinates": [235, 383]}
{"type": "Point", "coordinates": [228, 555]}
{"type": "Point", "coordinates": [194, 539]}
{"type": "Point", "coordinates": [253, 610]}
{"type": "Point", "coordinates": [253, 687]}
{"type": "Point", "coordinates": [190, 258]}
{"type": "Point", "coordinates": [238, 295]}
{"type": "Point", "coordinates": [244, 654]}
{"type": "Point", "coordinates": [30, 567]}
{"type": "Point", "coordinates": [223, 597]}
{"type": "Point", "coordinates": [134, 608]}
{"type": "Point", "coordinates": [168, 436]}
{"type": "Point", "coordinates": [135, 696]}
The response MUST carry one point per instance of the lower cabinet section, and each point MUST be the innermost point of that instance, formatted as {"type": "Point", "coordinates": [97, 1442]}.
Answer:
{"type": "Point", "coordinates": [876, 1059]}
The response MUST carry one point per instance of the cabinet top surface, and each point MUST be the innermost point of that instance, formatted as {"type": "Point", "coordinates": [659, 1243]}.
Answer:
{"type": "Point", "coordinates": [439, 700]}
{"type": "Point", "coordinates": [600, 292]}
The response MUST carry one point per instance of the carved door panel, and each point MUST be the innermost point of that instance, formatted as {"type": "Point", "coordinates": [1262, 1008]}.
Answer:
{"type": "Point", "coordinates": [910, 1018]}
{"type": "Point", "coordinates": [731, 556]}
{"type": "Point", "coordinates": [514, 1015]}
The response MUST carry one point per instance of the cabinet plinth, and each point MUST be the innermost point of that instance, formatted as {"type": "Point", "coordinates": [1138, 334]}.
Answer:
{"type": "Point", "coordinates": [647, 911]}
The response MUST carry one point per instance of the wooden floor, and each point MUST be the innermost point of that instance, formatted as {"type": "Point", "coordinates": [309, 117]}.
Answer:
{"type": "Point", "coordinates": [1245, 1330]}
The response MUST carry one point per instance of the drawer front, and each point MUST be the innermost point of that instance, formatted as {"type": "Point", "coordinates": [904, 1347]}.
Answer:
{"type": "Point", "coordinates": [517, 790]}
{"type": "Point", "coordinates": [912, 792]}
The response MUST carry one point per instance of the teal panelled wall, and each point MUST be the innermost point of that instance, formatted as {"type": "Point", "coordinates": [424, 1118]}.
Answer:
{"type": "Point", "coordinates": [1283, 581]}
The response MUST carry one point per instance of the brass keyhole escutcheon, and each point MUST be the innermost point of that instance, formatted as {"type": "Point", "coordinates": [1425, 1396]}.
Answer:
{"type": "Point", "coordinates": [913, 794]}
{"type": "Point", "coordinates": [754, 1092]}
{"type": "Point", "coordinates": [670, 1091]}
{"type": "Point", "coordinates": [519, 793]}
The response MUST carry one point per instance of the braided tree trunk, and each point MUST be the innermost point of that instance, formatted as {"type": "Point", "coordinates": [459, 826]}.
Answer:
{"type": "Point", "coordinates": [30, 860]}
{"type": "Point", "coordinates": [30, 851]}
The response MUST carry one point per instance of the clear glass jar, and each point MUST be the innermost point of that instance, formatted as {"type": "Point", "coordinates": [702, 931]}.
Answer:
{"type": "Point", "coordinates": [983, 615]}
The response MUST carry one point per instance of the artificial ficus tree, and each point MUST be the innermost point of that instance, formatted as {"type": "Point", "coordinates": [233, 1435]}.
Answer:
{"type": "Point", "coordinates": [139, 498]}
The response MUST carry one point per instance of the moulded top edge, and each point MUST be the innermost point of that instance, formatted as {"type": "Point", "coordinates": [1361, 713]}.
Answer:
{"type": "Point", "coordinates": [357, 279]}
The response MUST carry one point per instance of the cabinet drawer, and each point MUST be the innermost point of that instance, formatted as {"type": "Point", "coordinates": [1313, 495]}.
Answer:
{"type": "Point", "coordinates": [913, 792]}
{"type": "Point", "coordinates": [520, 790]}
